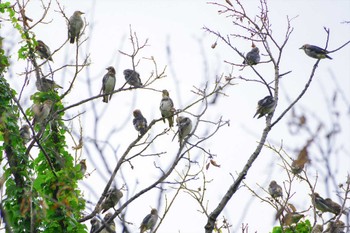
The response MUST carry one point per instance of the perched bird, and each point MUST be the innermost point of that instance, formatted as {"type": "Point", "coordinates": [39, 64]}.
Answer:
{"type": "Point", "coordinates": [110, 226]}
{"type": "Point", "coordinates": [112, 198]}
{"type": "Point", "coordinates": [83, 166]}
{"type": "Point", "coordinates": [43, 50]}
{"type": "Point", "coordinates": [317, 229]}
{"type": "Point", "coordinates": [335, 227]}
{"type": "Point", "coordinates": [132, 78]}
{"type": "Point", "coordinates": [108, 84]}
{"type": "Point", "coordinates": [45, 85]}
{"type": "Point", "coordinates": [275, 190]}
{"type": "Point", "coordinates": [325, 205]}
{"type": "Point", "coordinates": [95, 224]}
{"type": "Point", "coordinates": [265, 106]}
{"type": "Point", "coordinates": [167, 108]}
{"type": "Point", "coordinates": [75, 25]}
{"type": "Point", "coordinates": [184, 127]}
{"type": "Point", "coordinates": [41, 111]}
{"type": "Point", "coordinates": [25, 134]}
{"type": "Point", "coordinates": [315, 52]}
{"type": "Point", "coordinates": [150, 221]}
{"type": "Point", "coordinates": [252, 57]}
{"type": "Point", "coordinates": [291, 218]}
{"type": "Point", "coordinates": [140, 123]}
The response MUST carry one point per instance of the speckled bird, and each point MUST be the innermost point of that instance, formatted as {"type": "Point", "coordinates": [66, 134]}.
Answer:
{"type": "Point", "coordinates": [83, 166]}
{"type": "Point", "coordinates": [315, 51]}
{"type": "Point", "coordinates": [317, 229]}
{"type": "Point", "coordinates": [75, 25]}
{"type": "Point", "coordinates": [108, 227]}
{"type": "Point", "coordinates": [150, 221]}
{"type": "Point", "coordinates": [132, 78]}
{"type": "Point", "coordinates": [252, 57]}
{"type": "Point", "coordinates": [108, 84]}
{"type": "Point", "coordinates": [41, 111]}
{"type": "Point", "coordinates": [25, 134]}
{"type": "Point", "coordinates": [167, 108]}
{"type": "Point", "coordinates": [275, 189]}
{"type": "Point", "coordinates": [45, 85]}
{"type": "Point", "coordinates": [265, 106]}
{"type": "Point", "coordinates": [184, 127]}
{"type": "Point", "coordinates": [335, 227]}
{"type": "Point", "coordinates": [95, 224]}
{"type": "Point", "coordinates": [43, 50]}
{"type": "Point", "coordinates": [112, 198]}
{"type": "Point", "coordinates": [139, 122]}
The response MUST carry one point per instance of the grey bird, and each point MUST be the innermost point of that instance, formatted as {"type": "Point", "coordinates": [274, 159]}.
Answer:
{"type": "Point", "coordinates": [139, 122]}
{"type": "Point", "coordinates": [112, 198]}
{"type": "Point", "coordinates": [95, 224]}
{"type": "Point", "coordinates": [275, 189]}
{"type": "Point", "coordinates": [315, 51]}
{"type": "Point", "coordinates": [184, 127]}
{"type": "Point", "coordinates": [252, 57]}
{"type": "Point", "coordinates": [167, 108]}
{"type": "Point", "coordinates": [75, 25]}
{"type": "Point", "coordinates": [265, 106]}
{"type": "Point", "coordinates": [132, 78]}
{"type": "Point", "coordinates": [325, 205]}
{"type": "Point", "coordinates": [45, 85]}
{"type": "Point", "coordinates": [25, 134]}
{"type": "Point", "coordinates": [150, 221]}
{"type": "Point", "coordinates": [108, 227]}
{"type": "Point", "coordinates": [108, 84]}
{"type": "Point", "coordinates": [43, 50]}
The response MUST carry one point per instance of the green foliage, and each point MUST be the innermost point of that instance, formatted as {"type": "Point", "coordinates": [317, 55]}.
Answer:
{"type": "Point", "coordinates": [301, 227]}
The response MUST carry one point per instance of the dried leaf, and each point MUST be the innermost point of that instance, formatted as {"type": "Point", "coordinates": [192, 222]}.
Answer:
{"type": "Point", "coordinates": [214, 45]}
{"type": "Point", "coordinates": [213, 162]}
{"type": "Point", "coordinates": [228, 2]}
{"type": "Point", "coordinates": [207, 166]}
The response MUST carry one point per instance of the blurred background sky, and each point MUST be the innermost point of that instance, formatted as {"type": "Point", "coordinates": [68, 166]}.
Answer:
{"type": "Point", "coordinates": [176, 40]}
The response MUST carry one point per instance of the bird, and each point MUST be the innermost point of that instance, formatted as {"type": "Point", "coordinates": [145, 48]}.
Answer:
{"type": "Point", "coordinates": [335, 227]}
{"type": "Point", "coordinates": [95, 224]}
{"type": "Point", "coordinates": [41, 111]}
{"type": "Point", "coordinates": [139, 122]}
{"type": "Point", "coordinates": [108, 84]}
{"type": "Point", "coordinates": [291, 217]}
{"type": "Point", "coordinates": [25, 134]}
{"type": "Point", "coordinates": [149, 222]}
{"type": "Point", "coordinates": [45, 85]}
{"type": "Point", "coordinates": [265, 106]}
{"type": "Point", "coordinates": [275, 189]}
{"type": "Point", "coordinates": [75, 25]}
{"type": "Point", "coordinates": [252, 57]}
{"type": "Point", "coordinates": [43, 50]}
{"type": "Point", "coordinates": [167, 108]}
{"type": "Point", "coordinates": [184, 127]}
{"type": "Point", "coordinates": [110, 226]}
{"type": "Point", "coordinates": [315, 51]}
{"type": "Point", "coordinates": [325, 205]}
{"type": "Point", "coordinates": [317, 229]}
{"type": "Point", "coordinates": [112, 197]}
{"type": "Point", "coordinates": [83, 166]}
{"type": "Point", "coordinates": [132, 78]}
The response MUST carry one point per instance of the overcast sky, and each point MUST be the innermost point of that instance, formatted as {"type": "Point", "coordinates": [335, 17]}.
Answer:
{"type": "Point", "coordinates": [177, 25]}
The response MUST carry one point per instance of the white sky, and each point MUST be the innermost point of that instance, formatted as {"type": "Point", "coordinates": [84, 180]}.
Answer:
{"type": "Point", "coordinates": [179, 24]}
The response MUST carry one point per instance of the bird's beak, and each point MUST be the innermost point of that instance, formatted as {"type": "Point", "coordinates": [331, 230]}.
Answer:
{"type": "Point", "coordinates": [301, 47]}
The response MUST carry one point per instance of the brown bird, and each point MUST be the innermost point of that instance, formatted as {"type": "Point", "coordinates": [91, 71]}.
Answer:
{"type": "Point", "coordinates": [108, 84]}
{"type": "Point", "coordinates": [109, 227]}
{"type": "Point", "coordinates": [167, 108]}
{"type": "Point", "coordinates": [83, 166]}
{"type": "Point", "coordinates": [75, 25]}
{"type": "Point", "coordinates": [43, 50]}
{"type": "Point", "coordinates": [41, 111]}
{"type": "Point", "coordinates": [25, 134]}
